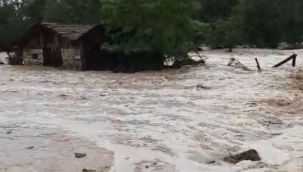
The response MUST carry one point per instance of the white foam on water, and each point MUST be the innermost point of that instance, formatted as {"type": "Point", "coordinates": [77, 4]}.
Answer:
{"type": "Point", "coordinates": [163, 121]}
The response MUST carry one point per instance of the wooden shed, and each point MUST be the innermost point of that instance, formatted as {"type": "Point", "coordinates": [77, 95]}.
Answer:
{"type": "Point", "coordinates": [78, 47]}
{"type": "Point", "coordinates": [53, 44]}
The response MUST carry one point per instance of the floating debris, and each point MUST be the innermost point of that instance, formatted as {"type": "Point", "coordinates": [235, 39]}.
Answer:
{"type": "Point", "coordinates": [251, 155]}
{"type": "Point", "coordinates": [80, 155]}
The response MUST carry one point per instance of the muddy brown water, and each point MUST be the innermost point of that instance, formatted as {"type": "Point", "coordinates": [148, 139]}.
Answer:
{"type": "Point", "coordinates": [160, 120]}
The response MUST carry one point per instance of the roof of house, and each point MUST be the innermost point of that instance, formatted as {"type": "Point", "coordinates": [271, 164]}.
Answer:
{"type": "Point", "coordinates": [70, 31]}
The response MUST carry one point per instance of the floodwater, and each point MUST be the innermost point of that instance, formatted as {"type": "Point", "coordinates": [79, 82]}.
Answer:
{"type": "Point", "coordinates": [183, 120]}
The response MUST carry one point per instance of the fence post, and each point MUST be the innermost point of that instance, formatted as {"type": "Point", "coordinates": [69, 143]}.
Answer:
{"type": "Point", "coordinates": [292, 57]}
{"type": "Point", "coordinates": [258, 64]}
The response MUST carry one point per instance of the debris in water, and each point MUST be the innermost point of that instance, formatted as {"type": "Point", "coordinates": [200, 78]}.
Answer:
{"type": "Point", "coordinates": [80, 155]}
{"type": "Point", "coordinates": [30, 147]}
{"type": "Point", "coordinates": [200, 86]}
{"type": "Point", "coordinates": [292, 57]}
{"type": "Point", "coordinates": [87, 170]}
{"type": "Point", "coordinates": [83, 98]}
{"type": "Point", "coordinates": [251, 155]}
{"type": "Point", "coordinates": [63, 95]}
{"type": "Point", "coordinates": [237, 64]}
{"type": "Point", "coordinates": [258, 65]}
{"type": "Point", "coordinates": [269, 121]}
{"type": "Point", "coordinates": [211, 162]}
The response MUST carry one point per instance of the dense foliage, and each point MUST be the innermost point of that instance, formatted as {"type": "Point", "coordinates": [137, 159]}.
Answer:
{"type": "Point", "coordinates": [171, 27]}
{"type": "Point", "coordinates": [163, 26]}
{"type": "Point", "coordinates": [11, 21]}
{"type": "Point", "coordinates": [260, 23]}
{"type": "Point", "coordinates": [73, 11]}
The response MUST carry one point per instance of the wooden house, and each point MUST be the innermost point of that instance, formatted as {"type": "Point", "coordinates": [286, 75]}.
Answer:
{"type": "Point", "coordinates": [78, 47]}
{"type": "Point", "coordinates": [53, 44]}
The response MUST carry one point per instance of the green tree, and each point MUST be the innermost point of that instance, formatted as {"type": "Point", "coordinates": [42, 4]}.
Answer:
{"type": "Point", "coordinates": [73, 11]}
{"type": "Point", "coordinates": [259, 21]}
{"type": "Point", "coordinates": [33, 10]}
{"type": "Point", "coordinates": [221, 27]}
{"type": "Point", "coordinates": [214, 10]}
{"type": "Point", "coordinates": [163, 26]}
{"type": "Point", "coordinates": [11, 21]}
{"type": "Point", "coordinates": [291, 22]}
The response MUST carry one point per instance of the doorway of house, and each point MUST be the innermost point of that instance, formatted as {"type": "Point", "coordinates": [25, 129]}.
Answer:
{"type": "Point", "coordinates": [52, 55]}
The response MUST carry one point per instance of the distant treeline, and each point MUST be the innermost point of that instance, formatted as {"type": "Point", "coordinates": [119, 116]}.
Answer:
{"type": "Point", "coordinates": [260, 23]}
{"type": "Point", "coordinates": [172, 27]}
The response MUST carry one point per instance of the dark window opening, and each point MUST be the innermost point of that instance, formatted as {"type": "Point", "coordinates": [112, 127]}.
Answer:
{"type": "Point", "coordinates": [35, 56]}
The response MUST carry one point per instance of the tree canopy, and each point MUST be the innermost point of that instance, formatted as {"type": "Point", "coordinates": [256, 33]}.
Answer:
{"type": "Point", "coordinates": [172, 27]}
{"type": "Point", "coordinates": [260, 23]}
{"type": "Point", "coordinates": [164, 26]}
{"type": "Point", "coordinates": [73, 11]}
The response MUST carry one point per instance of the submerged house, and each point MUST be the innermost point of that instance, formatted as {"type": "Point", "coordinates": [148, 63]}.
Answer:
{"type": "Point", "coordinates": [52, 44]}
{"type": "Point", "coordinates": [78, 47]}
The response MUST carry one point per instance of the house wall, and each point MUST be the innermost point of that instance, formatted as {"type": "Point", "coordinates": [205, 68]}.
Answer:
{"type": "Point", "coordinates": [45, 47]}
{"type": "Point", "coordinates": [32, 56]}
{"type": "Point", "coordinates": [71, 57]}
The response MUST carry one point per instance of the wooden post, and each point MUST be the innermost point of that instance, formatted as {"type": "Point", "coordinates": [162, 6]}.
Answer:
{"type": "Point", "coordinates": [258, 64]}
{"type": "Point", "coordinates": [292, 57]}
{"type": "Point", "coordinates": [230, 49]}
{"type": "Point", "coordinates": [294, 61]}
{"type": "Point", "coordinates": [202, 60]}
